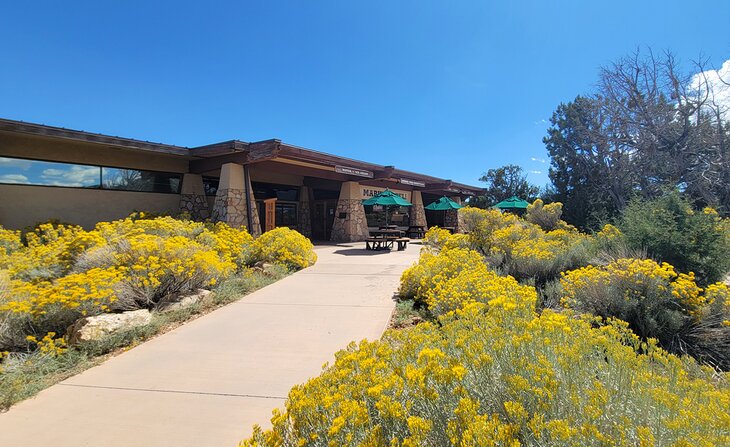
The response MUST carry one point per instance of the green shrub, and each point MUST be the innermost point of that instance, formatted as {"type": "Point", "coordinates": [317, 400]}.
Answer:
{"type": "Point", "coordinates": [671, 231]}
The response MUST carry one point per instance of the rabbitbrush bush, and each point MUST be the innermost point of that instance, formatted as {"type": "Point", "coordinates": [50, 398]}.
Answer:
{"type": "Point", "coordinates": [523, 249]}
{"type": "Point", "coordinates": [55, 274]}
{"type": "Point", "coordinates": [447, 280]}
{"type": "Point", "coordinates": [286, 247]}
{"type": "Point", "coordinates": [497, 373]}
{"type": "Point", "coordinates": [657, 302]}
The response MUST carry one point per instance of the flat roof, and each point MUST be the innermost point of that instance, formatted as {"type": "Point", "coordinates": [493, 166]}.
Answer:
{"type": "Point", "coordinates": [245, 152]}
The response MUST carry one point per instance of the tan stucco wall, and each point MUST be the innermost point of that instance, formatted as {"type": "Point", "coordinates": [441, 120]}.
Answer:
{"type": "Point", "coordinates": [42, 148]}
{"type": "Point", "coordinates": [23, 205]}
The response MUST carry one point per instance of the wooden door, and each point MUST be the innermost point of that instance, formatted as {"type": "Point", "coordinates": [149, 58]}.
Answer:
{"type": "Point", "coordinates": [270, 214]}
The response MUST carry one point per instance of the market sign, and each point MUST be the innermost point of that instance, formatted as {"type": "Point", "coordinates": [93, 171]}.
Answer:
{"type": "Point", "coordinates": [353, 171]}
{"type": "Point", "coordinates": [406, 181]}
{"type": "Point", "coordinates": [372, 191]}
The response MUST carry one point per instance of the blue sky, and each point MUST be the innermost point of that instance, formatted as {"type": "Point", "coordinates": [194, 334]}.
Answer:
{"type": "Point", "coordinates": [445, 88]}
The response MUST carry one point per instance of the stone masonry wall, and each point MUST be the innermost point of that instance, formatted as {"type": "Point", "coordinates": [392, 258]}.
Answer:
{"type": "Point", "coordinates": [229, 207]}
{"type": "Point", "coordinates": [195, 205]}
{"type": "Point", "coordinates": [451, 219]}
{"type": "Point", "coordinates": [354, 226]}
{"type": "Point", "coordinates": [255, 220]}
{"type": "Point", "coordinates": [418, 215]}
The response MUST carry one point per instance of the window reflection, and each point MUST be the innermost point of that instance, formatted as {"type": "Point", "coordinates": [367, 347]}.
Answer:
{"type": "Point", "coordinates": [286, 215]}
{"type": "Point", "coordinates": [135, 180]}
{"type": "Point", "coordinates": [47, 173]}
{"type": "Point", "coordinates": [210, 184]}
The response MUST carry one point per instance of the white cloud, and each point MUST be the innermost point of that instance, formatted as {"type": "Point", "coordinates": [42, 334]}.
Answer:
{"type": "Point", "coordinates": [535, 172]}
{"type": "Point", "coordinates": [539, 160]}
{"type": "Point", "coordinates": [73, 176]}
{"type": "Point", "coordinates": [715, 83]}
{"type": "Point", "coordinates": [14, 163]}
{"type": "Point", "coordinates": [14, 178]}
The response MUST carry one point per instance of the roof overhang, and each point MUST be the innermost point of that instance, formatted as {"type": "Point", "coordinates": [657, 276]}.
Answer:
{"type": "Point", "coordinates": [88, 137]}
{"type": "Point", "coordinates": [273, 153]}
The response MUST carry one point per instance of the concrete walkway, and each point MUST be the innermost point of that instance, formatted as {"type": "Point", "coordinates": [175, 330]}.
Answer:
{"type": "Point", "coordinates": [207, 382]}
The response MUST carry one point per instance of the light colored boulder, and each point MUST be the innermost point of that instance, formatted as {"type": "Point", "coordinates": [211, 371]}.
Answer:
{"type": "Point", "coordinates": [96, 327]}
{"type": "Point", "coordinates": [184, 301]}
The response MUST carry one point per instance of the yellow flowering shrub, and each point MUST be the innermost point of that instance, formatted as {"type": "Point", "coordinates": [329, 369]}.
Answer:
{"type": "Point", "coordinates": [656, 301]}
{"type": "Point", "coordinates": [234, 244]}
{"type": "Point", "coordinates": [48, 253]}
{"type": "Point", "coordinates": [488, 376]}
{"type": "Point", "coordinates": [49, 345]}
{"type": "Point", "coordinates": [159, 268]}
{"type": "Point", "coordinates": [90, 292]}
{"type": "Point", "coordinates": [55, 274]}
{"type": "Point", "coordinates": [521, 248]}
{"type": "Point", "coordinates": [286, 247]}
{"type": "Point", "coordinates": [547, 216]}
{"type": "Point", "coordinates": [9, 242]}
{"type": "Point", "coordinates": [418, 281]}
{"type": "Point", "coordinates": [437, 239]}
{"type": "Point", "coordinates": [477, 283]}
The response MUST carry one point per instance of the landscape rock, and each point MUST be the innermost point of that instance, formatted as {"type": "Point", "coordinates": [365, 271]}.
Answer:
{"type": "Point", "coordinates": [266, 268]}
{"type": "Point", "coordinates": [96, 327]}
{"type": "Point", "coordinates": [198, 296]}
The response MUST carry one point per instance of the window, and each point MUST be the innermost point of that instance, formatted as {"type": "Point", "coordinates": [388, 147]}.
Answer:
{"type": "Point", "coordinates": [135, 180]}
{"type": "Point", "coordinates": [286, 215]}
{"type": "Point", "coordinates": [210, 185]}
{"type": "Point", "coordinates": [47, 173]}
{"type": "Point", "coordinates": [270, 191]}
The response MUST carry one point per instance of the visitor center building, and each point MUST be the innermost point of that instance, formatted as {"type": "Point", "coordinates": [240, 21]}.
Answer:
{"type": "Point", "coordinates": [51, 173]}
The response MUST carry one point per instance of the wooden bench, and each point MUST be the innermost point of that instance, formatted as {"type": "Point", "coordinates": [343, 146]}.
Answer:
{"type": "Point", "coordinates": [402, 243]}
{"type": "Point", "coordinates": [379, 243]}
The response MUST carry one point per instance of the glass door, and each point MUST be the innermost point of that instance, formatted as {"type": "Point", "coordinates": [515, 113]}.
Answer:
{"type": "Point", "coordinates": [323, 218]}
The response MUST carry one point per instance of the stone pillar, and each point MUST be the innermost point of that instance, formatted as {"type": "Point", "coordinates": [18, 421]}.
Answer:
{"type": "Point", "coordinates": [230, 203]}
{"type": "Point", "coordinates": [350, 224]}
{"type": "Point", "coordinates": [417, 212]}
{"type": "Point", "coordinates": [452, 217]}
{"type": "Point", "coordinates": [192, 197]}
{"type": "Point", "coordinates": [304, 214]}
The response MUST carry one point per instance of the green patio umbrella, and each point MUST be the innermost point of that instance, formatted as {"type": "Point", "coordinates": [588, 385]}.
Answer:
{"type": "Point", "coordinates": [513, 202]}
{"type": "Point", "coordinates": [443, 204]}
{"type": "Point", "coordinates": [387, 198]}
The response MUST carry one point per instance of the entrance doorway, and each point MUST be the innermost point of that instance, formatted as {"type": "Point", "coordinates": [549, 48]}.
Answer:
{"type": "Point", "coordinates": [323, 216]}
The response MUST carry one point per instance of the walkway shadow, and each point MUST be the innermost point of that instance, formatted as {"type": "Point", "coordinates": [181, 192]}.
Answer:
{"type": "Point", "coordinates": [360, 252]}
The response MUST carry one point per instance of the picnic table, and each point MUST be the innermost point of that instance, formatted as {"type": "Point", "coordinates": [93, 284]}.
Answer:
{"type": "Point", "coordinates": [383, 239]}
{"type": "Point", "coordinates": [416, 231]}
{"type": "Point", "coordinates": [387, 233]}
{"type": "Point", "coordinates": [388, 227]}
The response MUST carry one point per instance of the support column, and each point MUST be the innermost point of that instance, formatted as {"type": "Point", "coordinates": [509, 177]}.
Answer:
{"type": "Point", "coordinates": [230, 203]}
{"type": "Point", "coordinates": [350, 224]}
{"type": "Point", "coordinates": [192, 197]}
{"type": "Point", "coordinates": [304, 213]}
{"type": "Point", "coordinates": [417, 212]}
{"type": "Point", "coordinates": [452, 217]}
